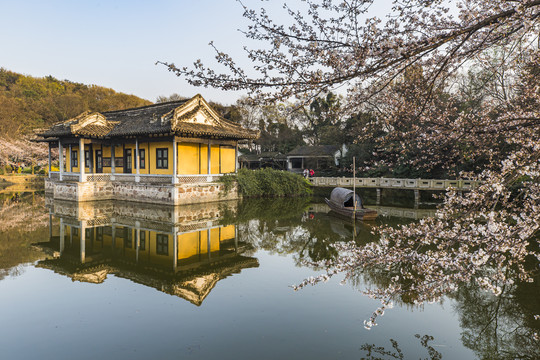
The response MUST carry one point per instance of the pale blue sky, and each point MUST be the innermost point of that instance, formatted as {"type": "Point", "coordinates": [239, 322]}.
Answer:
{"type": "Point", "coordinates": [116, 43]}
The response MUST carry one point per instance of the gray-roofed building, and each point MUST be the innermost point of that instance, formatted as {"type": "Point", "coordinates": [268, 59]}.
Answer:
{"type": "Point", "coordinates": [317, 157]}
{"type": "Point", "coordinates": [178, 142]}
{"type": "Point", "coordinates": [274, 160]}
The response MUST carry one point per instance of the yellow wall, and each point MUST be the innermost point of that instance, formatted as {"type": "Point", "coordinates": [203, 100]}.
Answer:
{"type": "Point", "coordinates": [204, 159]}
{"type": "Point", "coordinates": [192, 247]}
{"type": "Point", "coordinates": [228, 159]}
{"type": "Point", "coordinates": [144, 146]}
{"type": "Point", "coordinates": [214, 239]}
{"type": "Point", "coordinates": [86, 148]}
{"type": "Point", "coordinates": [196, 243]}
{"type": "Point", "coordinates": [152, 247]}
{"type": "Point", "coordinates": [188, 245]}
{"type": "Point", "coordinates": [214, 159]}
{"type": "Point", "coordinates": [152, 156]}
{"type": "Point", "coordinates": [227, 232]}
{"type": "Point", "coordinates": [192, 158]}
{"type": "Point", "coordinates": [106, 153]}
{"type": "Point", "coordinates": [188, 158]}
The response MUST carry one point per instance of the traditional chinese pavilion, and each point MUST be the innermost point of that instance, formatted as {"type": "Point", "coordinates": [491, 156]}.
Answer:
{"type": "Point", "coordinates": [170, 152]}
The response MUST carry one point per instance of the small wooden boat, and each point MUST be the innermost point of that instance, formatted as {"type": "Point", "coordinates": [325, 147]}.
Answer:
{"type": "Point", "coordinates": [342, 202]}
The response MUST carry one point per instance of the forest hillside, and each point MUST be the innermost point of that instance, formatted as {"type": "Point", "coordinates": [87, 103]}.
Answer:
{"type": "Point", "coordinates": [28, 103]}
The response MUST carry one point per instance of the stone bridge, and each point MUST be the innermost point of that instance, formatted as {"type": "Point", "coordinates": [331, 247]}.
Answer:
{"type": "Point", "coordinates": [393, 183]}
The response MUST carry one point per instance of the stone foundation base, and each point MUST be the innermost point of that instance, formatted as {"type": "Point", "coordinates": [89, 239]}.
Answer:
{"type": "Point", "coordinates": [148, 193]}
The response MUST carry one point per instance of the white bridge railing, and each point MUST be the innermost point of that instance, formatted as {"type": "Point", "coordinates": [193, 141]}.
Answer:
{"type": "Point", "coordinates": [391, 183]}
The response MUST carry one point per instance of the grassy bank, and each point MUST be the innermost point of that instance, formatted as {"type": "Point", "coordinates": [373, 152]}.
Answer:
{"type": "Point", "coordinates": [268, 183]}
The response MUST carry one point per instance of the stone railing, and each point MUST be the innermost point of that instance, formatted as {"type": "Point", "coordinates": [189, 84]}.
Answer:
{"type": "Point", "coordinates": [125, 177]}
{"type": "Point", "coordinates": [142, 178]}
{"type": "Point", "coordinates": [155, 179]}
{"type": "Point", "coordinates": [196, 179]}
{"type": "Point", "coordinates": [98, 177]}
{"type": "Point", "coordinates": [70, 177]}
{"type": "Point", "coordinates": [66, 176]}
{"type": "Point", "coordinates": [391, 183]}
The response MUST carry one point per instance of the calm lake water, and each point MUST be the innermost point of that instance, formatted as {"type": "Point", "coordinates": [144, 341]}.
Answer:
{"type": "Point", "coordinates": [115, 280]}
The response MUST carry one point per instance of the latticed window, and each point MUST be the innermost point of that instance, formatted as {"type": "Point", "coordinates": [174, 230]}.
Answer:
{"type": "Point", "coordinates": [74, 159]}
{"type": "Point", "coordinates": [142, 159]}
{"type": "Point", "coordinates": [162, 244]}
{"type": "Point", "coordinates": [128, 237]}
{"type": "Point", "coordinates": [162, 158]}
{"type": "Point", "coordinates": [87, 158]}
{"type": "Point", "coordinates": [142, 240]}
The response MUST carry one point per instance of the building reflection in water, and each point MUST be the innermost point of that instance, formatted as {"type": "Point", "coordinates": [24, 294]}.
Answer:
{"type": "Point", "coordinates": [180, 250]}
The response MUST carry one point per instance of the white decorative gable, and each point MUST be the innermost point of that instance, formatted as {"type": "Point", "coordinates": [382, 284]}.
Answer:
{"type": "Point", "coordinates": [87, 118]}
{"type": "Point", "coordinates": [196, 111]}
{"type": "Point", "coordinates": [200, 118]}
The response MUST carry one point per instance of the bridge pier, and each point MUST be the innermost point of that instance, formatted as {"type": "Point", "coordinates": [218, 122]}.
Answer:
{"type": "Point", "coordinates": [416, 198]}
{"type": "Point", "coordinates": [379, 190]}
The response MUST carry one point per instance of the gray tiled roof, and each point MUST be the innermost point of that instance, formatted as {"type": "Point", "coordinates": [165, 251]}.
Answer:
{"type": "Point", "coordinates": [146, 120]}
{"type": "Point", "coordinates": [317, 150]}
{"type": "Point", "coordinates": [143, 120]}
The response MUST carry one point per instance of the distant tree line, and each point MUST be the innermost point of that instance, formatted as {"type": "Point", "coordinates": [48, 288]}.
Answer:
{"type": "Point", "coordinates": [27, 102]}
{"type": "Point", "coordinates": [381, 147]}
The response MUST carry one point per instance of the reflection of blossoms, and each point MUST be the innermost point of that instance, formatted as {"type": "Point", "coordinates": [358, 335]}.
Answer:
{"type": "Point", "coordinates": [407, 60]}
{"type": "Point", "coordinates": [485, 236]}
{"type": "Point", "coordinates": [14, 214]}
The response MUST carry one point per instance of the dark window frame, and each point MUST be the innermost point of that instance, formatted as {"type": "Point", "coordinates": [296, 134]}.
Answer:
{"type": "Point", "coordinates": [128, 237]}
{"type": "Point", "coordinates": [142, 158]}
{"type": "Point", "coordinates": [162, 158]}
{"type": "Point", "coordinates": [74, 158]}
{"type": "Point", "coordinates": [296, 163]}
{"type": "Point", "coordinates": [99, 159]}
{"type": "Point", "coordinates": [87, 158]}
{"type": "Point", "coordinates": [142, 240]}
{"type": "Point", "coordinates": [162, 244]}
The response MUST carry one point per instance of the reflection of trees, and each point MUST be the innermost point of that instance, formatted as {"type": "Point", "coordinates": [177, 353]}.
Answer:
{"type": "Point", "coordinates": [286, 226]}
{"type": "Point", "coordinates": [374, 352]}
{"type": "Point", "coordinates": [24, 210]}
{"type": "Point", "coordinates": [495, 327]}
{"type": "Point", "coordinates": [501, 327]}
{"type": "Point", "coordinates": [23, 221]}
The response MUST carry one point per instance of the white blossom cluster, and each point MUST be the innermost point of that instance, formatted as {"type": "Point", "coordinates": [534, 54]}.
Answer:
{"type": "Point", "coordinates": [401, 68]}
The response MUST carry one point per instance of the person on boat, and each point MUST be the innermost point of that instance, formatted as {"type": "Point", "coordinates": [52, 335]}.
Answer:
{"type": "Point", "coordinates": [311, 172]}
{"type": "Point", "coordinates": [306, 173]}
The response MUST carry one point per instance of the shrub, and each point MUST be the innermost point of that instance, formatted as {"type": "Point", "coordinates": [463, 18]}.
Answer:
{"type": "Point", "coordinates": [270, 182]}
{"type": "Point", "coordinates": [228, 181]}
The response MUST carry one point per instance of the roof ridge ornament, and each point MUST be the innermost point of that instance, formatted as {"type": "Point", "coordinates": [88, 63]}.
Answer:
{"type": "Point", "coordinates": [196, 111]}
{"type": "Point", "coordinates": [91, 119]}
{"type": "Point", "coordinates": [194, 117]}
